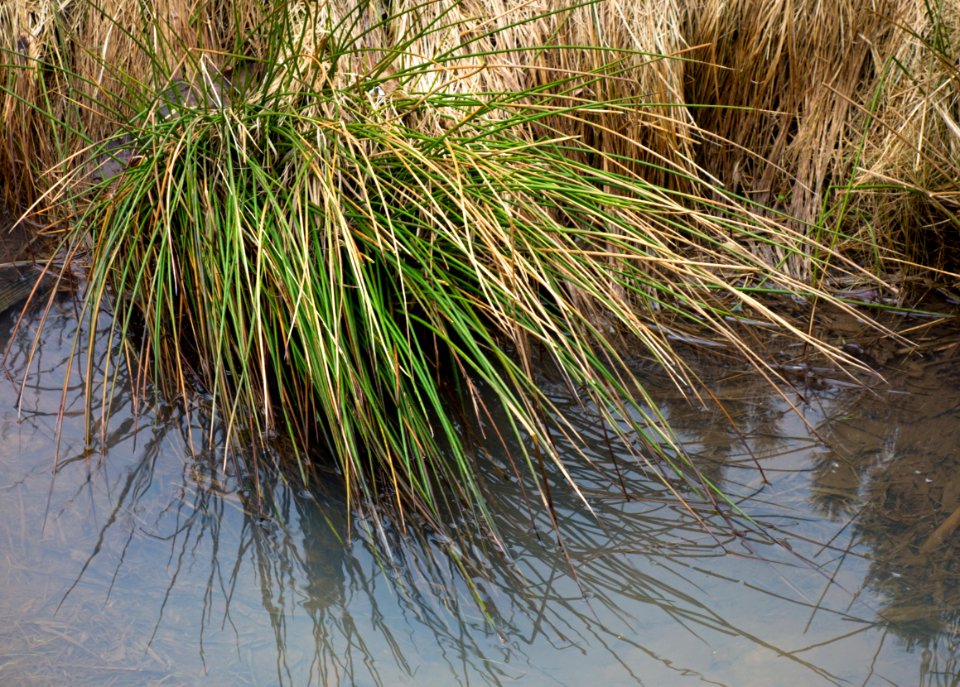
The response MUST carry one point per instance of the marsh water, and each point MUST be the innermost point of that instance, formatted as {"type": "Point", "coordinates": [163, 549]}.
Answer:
{"type": "Point", "coordinates": [145, 561]}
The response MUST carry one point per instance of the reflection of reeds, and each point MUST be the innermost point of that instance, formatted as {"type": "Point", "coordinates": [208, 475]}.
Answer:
{"type": "Point", "coordinates": [910, 504]}
{"type": "Point", "coordinates": [310, 595]}
{"type": "Point", "coordinates": [632, 555]}
{"type": "Point", "coordinates": [890, 472]}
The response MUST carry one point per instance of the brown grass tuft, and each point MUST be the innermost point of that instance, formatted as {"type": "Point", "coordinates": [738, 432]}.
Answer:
{"type": "Point", "coordinates": [905, 202]}
{"type": "Point", "coordinates": [782, 101]}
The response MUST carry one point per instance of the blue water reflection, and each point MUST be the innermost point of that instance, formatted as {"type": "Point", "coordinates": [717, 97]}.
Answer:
{"type": "Point", "coordinates": [147, 560]}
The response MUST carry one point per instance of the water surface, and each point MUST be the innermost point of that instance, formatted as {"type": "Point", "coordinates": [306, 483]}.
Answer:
{"type": "Point", "coordinates": [146, 562]}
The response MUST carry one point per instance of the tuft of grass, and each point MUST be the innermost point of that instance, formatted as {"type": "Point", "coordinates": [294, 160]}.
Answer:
{"type": "Point", "coordinates": [362, 232]}
{"type": "Point", "coordinates": [371, 262]}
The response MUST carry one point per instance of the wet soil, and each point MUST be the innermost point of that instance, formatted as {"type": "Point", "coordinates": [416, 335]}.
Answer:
{"type": "Point", "coordinates": [17, 240]}
{"type": "Point", "coordinates": [23, 253]}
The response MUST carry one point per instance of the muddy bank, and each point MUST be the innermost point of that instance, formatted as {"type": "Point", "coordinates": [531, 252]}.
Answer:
{"type": "Point", "coordinates": [22, 260]}
{"type": "Point", "coordinates": [16, 239]}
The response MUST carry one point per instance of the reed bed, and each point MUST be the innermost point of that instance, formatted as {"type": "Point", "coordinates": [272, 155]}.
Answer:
{"type": "Point", "coordinates": [362, 231]}
{"type": "Point", "coordinates": [835, 113]}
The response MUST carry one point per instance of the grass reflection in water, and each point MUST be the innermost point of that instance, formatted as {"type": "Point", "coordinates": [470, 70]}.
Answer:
{"type": "Point", "coordinates": [147, 564]}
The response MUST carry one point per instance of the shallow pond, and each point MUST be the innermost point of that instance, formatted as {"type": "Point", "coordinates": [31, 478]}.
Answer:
{"type": "Point", "coordinates": [145, 563]}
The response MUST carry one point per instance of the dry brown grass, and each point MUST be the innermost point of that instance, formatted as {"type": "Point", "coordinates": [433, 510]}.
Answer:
{"type": "Point", "coordinates": [781, 81]}
{"type": "Point", "coordinates": [779, 100]}
{"type": "Point", "coordinates": [906, 202]}
{"type": "Point", "coordinates": [801, 100]}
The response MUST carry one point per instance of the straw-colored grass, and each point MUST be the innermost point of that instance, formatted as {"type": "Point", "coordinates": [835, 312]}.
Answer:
{"type": "Point", "coordinates": [904, 199]}
{"type": "Point", "coordinates": [783, 102]}
{"type": "Point", "coordinates": [797, 100]}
